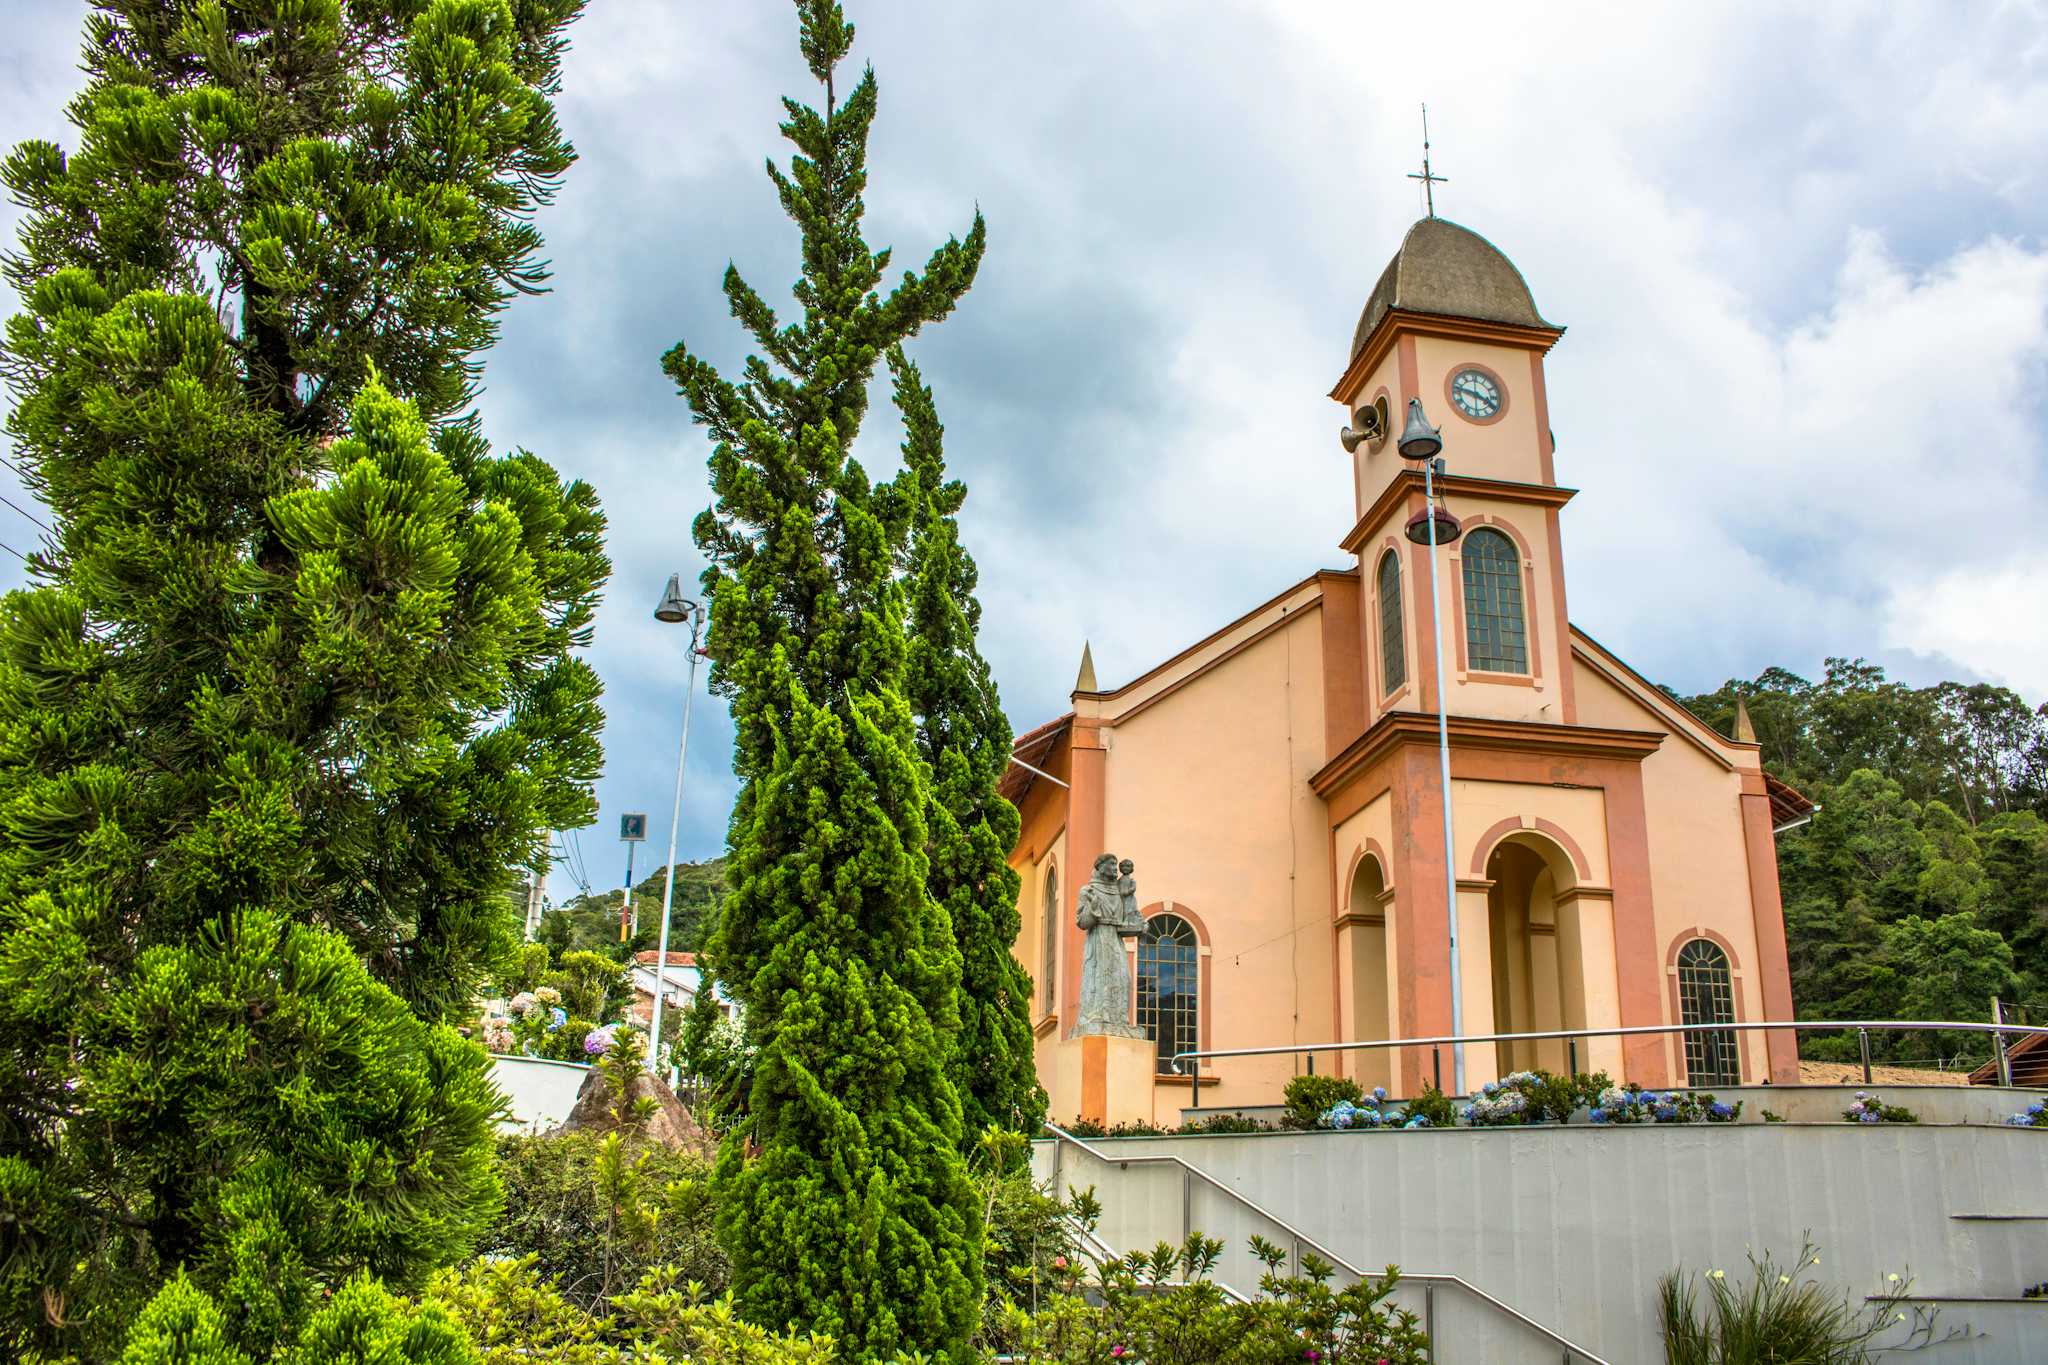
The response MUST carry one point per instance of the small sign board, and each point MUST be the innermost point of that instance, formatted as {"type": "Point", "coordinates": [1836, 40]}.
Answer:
{"type": "Point", "coordinates": [633, 828]}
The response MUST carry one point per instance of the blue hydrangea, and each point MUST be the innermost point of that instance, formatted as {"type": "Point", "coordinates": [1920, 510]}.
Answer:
{"type": "Point", "coordinates": [1596, 1115]}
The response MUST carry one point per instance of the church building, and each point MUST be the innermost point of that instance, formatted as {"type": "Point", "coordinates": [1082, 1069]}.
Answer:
{"type": "Point", "coordinates": [1277, 784]}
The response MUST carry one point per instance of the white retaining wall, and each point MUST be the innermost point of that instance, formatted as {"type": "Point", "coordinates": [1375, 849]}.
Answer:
{"type": "Point", "coordinates": [539, 1093]}
{"type": "Point", "coordinates": [1573, 1225]}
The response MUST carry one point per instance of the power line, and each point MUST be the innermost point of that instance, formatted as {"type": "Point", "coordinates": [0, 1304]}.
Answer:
{"type": "Point", "coordinates": [11, 550]}
{"type": "Point", "coordinates": [25, 512]}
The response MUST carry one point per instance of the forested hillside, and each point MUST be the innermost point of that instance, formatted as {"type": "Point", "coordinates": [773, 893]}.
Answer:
{"type": "Point", "coordinates": [591, 921]}
{"type": "Point", "coordinates": [1920, 888]}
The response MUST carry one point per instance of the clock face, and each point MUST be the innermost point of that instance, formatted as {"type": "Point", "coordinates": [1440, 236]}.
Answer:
{"type": "Point", "coordinates": [1476, 394]}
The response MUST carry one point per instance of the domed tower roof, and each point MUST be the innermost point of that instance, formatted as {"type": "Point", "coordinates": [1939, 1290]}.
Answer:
{"type": "Point", "coordinates": [1451, 271]}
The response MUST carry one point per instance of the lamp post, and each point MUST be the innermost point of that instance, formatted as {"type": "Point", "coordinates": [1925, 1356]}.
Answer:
{"type": "Point", "coordinates": [675, 609]}
{"type": "Point", "coordinates": [1434, 526]}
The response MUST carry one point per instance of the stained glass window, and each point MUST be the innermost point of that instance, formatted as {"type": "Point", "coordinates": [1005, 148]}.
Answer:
{"type": "Point", "coordinates": [1496, 636]}
{"type": "Point", "coordinates": [1392, 650]}
{"type": "Point", "coordinates": [1706, 995]}
{"type": "Point", "coordinates": [1050, 969]}
{"type": "Point", "coordinates": [1169, 959]}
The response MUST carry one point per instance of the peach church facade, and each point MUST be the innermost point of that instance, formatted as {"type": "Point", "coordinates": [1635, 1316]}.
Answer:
{"type": "Point", "coordinates": [1277, 784]}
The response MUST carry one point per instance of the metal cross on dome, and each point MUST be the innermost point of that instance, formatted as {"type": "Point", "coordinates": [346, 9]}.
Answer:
{"type": "Point", "coordinates": [1429, 182]}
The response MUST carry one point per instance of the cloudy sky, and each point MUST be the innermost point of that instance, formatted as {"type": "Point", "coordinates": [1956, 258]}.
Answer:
{"type": "Point", "coordinates": [1799, 257]}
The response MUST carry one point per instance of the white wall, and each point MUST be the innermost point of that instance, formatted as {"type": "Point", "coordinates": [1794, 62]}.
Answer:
{"type": "Point", "coordinates": [539, 1093]}
{"type": "Point", "coordinates": [1573, 1225]}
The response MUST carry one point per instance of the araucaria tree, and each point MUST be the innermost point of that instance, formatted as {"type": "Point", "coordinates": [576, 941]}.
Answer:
{"type": "Point", "coordinates": [295, 693]}
{"type": "Point", "coordinates": [854, 1215]}
{"type": "Point", "coordinates": [964, 739]}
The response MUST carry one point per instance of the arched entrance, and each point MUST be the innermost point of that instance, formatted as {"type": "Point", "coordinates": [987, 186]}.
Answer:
{"type": "Point", "coordinates": [1365, 942]}
{"type": "Point", "coordinates": [1538, 953]}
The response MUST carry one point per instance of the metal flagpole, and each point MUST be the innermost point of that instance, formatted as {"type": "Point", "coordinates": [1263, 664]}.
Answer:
{"type": "Point", "coordinates": [1443, 745]}
{"type": "Point", "coordinates": [668, 895]}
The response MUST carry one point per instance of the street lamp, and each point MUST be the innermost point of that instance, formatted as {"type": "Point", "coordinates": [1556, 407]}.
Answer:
{"type": "Point", "coordinates": [1434, 526]}
{"type": "Point", "coordinates": [675, 609]}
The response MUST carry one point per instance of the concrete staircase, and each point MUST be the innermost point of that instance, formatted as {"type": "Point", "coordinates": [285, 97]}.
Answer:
{"type": "Point", "coordinates": [1463, 1321]}
{"type": "Point", "coordinates": [1558, 1235]}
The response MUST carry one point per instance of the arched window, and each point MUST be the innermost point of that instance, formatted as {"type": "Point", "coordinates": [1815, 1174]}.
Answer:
{"type": "Point", "coordinates": [1169, 959]}
{"type": "Point", "coordinates": [1051, 952]}
{"type": "Point", "coordinates": [1393, 653]}
{"type": "Point", "coordinates": [1496, 636]}
{"type": "Point", "coordinates": [1706, 995]}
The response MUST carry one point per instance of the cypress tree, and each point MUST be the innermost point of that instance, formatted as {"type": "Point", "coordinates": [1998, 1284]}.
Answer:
{"type": "Point", "coordinates": [295, 693]}
{"type": "Point", "coordinates": [854, 1215]}
{"type": "Point", "coordinates": [964, 738]}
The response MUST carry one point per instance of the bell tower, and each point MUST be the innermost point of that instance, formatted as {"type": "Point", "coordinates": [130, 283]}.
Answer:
{"type": "Point", "coordinates": [1451, 325]}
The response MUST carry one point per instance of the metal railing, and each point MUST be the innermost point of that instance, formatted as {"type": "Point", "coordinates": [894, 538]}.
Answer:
{"type": "Point", "coordinates": [1189, 1063]}
{"type": "Point", "coordinates": [1300, 1241]}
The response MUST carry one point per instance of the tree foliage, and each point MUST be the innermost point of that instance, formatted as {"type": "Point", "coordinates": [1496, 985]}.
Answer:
{"type": "Point", "coordinates": [1920, 887]}
{"type": "Point", "coordinates": [295, 694]}
{"type": "Point", "coordinates": [964, 739]}
{"type": "Point", "coordinates": [591, 920]}
{"type": "Point", "coordinates": [843, 1198]}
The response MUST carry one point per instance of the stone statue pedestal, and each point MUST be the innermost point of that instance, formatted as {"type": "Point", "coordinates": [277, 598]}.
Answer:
{"type": "Point", "coordinates": [1104, 1078]}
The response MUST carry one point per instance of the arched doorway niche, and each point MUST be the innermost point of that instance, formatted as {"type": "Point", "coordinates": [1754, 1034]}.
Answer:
{"type": "Point", "coordinates": [1365, 942]}
{"type": "Point", "coordinates": [1550, 946]}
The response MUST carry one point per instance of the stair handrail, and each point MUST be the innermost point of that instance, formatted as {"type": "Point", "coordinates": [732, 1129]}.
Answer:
{"type": "Point", "coordinates": [1573, 1351]}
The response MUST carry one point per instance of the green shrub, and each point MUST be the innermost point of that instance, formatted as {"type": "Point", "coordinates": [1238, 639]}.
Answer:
{"type": "Point", "coordinates": [567, 1012]}
{"type": "Point", "coordinates": [1869, 1108]}
{"type": "Point", "coordinates": [1101, 1311]}
{"type": "Point", "coordinates": [516, 1316]}
{"type": "Point", "coordinates": [1227, 1123]}
{"type": "Point", "coordinates": [1308, 1098]}
{"type": "Point", "coordinates": [1778, 1316]}
{"type": "Point", "coordinates": [1631, 1104]}
{"type": "Point", "coordinates": [362, 1324]}
{"type": "Point", "coordinates": [1434, 1105]}
{"type": "Point", "coordinates": [1534, 1097]}
{"type": "Point", "coordinates": [557, 1211]}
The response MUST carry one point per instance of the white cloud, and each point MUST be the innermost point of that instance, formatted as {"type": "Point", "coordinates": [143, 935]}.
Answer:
{"type": "Point", "coordinates": [1796, 249]}
{"type": "Point", "coordinates": [1990, 615]}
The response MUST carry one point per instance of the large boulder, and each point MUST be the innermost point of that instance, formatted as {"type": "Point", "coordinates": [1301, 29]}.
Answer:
{"type": "Point", "coordinates": [596, 1111]}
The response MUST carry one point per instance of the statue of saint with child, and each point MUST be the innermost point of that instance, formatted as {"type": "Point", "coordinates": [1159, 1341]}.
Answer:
{"type": "Point", "coordinates": [1107, 914]}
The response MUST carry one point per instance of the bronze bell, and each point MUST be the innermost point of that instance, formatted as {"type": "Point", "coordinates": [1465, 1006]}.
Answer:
{"type": "Point", "coordinates": [1447, 528]}
{"type": "Point", "coordinates": [1419, 440]}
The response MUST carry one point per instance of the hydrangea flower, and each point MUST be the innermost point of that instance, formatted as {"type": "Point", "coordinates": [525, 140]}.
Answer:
{"type": "Point", "coordinates": [598, 1041]}
{"type": "Point", "coordinates": [559, 1017]}
{"type": "Point", "coordinates": [522, 1003]}
{"type": "Point", "coordinates": [548, 995]}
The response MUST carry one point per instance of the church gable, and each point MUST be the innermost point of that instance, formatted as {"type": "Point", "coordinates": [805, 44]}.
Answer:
{"type": "Point", "coordinates": [1611, 693]}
